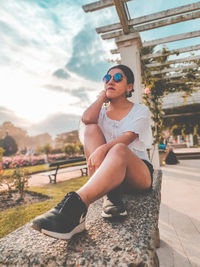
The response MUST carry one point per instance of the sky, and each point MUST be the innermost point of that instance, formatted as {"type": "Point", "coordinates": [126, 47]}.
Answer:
{"type": "Point", "coordinates": [52, 60]}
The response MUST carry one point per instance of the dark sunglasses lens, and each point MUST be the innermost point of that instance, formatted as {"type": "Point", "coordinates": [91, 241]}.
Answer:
{"type": "Point", "coordinates": [106, 78]}
{"type": "Point", "coordinates": [117, 77]}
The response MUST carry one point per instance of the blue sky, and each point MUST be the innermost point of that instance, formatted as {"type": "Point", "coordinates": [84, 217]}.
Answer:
{"type": "Point", "coordinates": [52, 60]}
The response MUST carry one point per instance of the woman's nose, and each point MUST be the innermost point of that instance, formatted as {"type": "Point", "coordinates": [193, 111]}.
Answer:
{"type": "Point", "coordinates": [111, 80]}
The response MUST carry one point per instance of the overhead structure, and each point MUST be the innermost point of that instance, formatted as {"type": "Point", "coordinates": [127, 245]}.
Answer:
{"type": "Point", "coordinates": [126, 34]}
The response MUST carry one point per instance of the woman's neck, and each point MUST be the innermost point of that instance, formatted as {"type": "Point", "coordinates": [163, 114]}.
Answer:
{"type": "Point", "coordinates": [120, 103]}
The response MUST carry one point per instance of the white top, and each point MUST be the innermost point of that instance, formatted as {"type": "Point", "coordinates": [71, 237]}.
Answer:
{"type": "Point", "coordinates": [138, 120]}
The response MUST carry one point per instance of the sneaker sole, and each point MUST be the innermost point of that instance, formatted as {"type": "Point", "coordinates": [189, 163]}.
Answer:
{"type": "Point", "coordinates": [78, 229]}
{"type": "Point", "coordinates": [105, 215]}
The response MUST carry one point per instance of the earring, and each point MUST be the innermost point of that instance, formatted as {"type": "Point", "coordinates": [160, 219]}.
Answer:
{"type": "Point", "coordinates": [128, 94]}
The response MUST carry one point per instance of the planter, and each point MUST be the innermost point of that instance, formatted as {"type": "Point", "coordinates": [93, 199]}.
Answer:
{"type": "Point", "coordinates": [162, 154]}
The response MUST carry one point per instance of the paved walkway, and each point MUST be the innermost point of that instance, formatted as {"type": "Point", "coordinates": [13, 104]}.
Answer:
{"type": "Point", "coordinates": [187, 150]}
{"type": "Point", "coordinates": [180, 215]}
{"type": "Point", "coordinates": [41, 180]}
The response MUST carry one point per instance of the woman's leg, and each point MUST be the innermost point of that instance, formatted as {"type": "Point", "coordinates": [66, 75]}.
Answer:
{"type": "Point", "coordinates": [93, 138]}
{"type": "Point", "coordinates": [68, 217]}
{"type": "Point", "coordinates": [119, 164]}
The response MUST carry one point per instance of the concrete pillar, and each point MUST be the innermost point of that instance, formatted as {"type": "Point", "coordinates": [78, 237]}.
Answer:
{"type": "Point", "coordinates": [129, 47]}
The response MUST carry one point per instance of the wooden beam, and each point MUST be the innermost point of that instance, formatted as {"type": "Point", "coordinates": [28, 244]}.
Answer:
{"type": "Point", "coordinates": [123, 16]}
{"type": "Point", "coordinates": [152, 17]}
{"type": "Point", "coordinates": [176, 75]}
{"type": "Point", "coordinates": [191, 66]}
{"type": "Point", "coordinates": [170, 52]}
{"type": "Point", "coordinates": [99, 5]}
{"type": "Point", "coordinates": [179, 60]}
{"type": "Point", "coordinates": [172, 38]}
{"type": "Point", "coordinates": [168, 21]}
{"type": "Point", "coordinates": [180, 114]}
{"type": "Point", "coordinates": [183, 81]}
{"type": "Point", "coordinates": [154, 25]}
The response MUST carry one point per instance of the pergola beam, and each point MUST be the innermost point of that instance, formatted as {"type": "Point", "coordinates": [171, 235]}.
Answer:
{"type": "Point", "coordinates": [172, 38]}
{"type": "Point", "coordinates": [99, 5]}
{"type": "Point", "coordinates": [184, 81]}
{"type": "Point", "coordinates": [176, 75]}
{"type": "Point", "coordinates": [154, 25]}
{"type": "Point", "coordinates": [180, 60]}
{"type": "Point", "coordinates": [155, 16]}
{"type": "Point", "coordinates": [191, 66]}
{"type": "Point", "coordinates": [170, 52]}
{"type": "Point", "coordinates": [181, 114]}
{"type": "Point", "coordinates": [160, 54]}
{"type": "Point", "coordinates": [123, 16]}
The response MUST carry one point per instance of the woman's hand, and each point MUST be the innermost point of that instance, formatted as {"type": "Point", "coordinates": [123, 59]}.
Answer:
{"type": "Point", "coordinates": [97, 157]}
{"type": "Point", "coordinates": [102, 96]}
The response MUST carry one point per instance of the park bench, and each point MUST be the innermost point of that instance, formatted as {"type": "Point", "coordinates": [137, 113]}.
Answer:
{"type": "Point", "coordinates": [130, 241]}
{"type": "Point", "coordinates": [53, 174]}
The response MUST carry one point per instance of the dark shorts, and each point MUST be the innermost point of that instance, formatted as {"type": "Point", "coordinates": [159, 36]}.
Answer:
{"type": "Point", "coordinates": [151, 170]}
{"type": "Point", "coordinates": [129, 190]}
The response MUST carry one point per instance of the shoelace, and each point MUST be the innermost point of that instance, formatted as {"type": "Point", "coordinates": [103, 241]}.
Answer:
{"type": "Point", "coordinates": [61, 203]}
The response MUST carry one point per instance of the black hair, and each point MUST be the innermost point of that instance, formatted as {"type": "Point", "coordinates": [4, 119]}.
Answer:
{"type": "Point", "coordinates": [129, 76]}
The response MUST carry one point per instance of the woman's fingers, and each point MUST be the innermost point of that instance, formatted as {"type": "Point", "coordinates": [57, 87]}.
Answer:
{"type": "Point", "coordinates": [90, 165]}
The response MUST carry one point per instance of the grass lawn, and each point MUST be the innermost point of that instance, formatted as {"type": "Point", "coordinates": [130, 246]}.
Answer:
{"type": "Point", "coordinates": [13, 218]}
{"type": "Point", "coordinates": [39, 168]}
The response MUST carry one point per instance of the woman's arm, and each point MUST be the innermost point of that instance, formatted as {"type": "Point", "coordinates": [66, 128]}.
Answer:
{"type": "Point", "coordinates": [126, 138]}
{"type": "Point", "coordinates": [99, 154]}
{"type": "Point", "coordinates": [91, 114]}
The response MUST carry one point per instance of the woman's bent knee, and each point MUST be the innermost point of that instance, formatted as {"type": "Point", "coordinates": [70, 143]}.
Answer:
{"type": "Point", "coordinates": [120, 150]}
{"type": "Point", "coordinates": [93, 138]}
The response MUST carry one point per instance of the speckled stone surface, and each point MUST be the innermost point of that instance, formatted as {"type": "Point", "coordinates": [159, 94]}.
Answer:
{"type": "Point", "coordinates": [125, 242]}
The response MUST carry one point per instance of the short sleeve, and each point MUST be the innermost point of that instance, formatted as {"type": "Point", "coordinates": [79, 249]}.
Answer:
{"type": "Point", "coordinates": [140, 123]}
{"type": "Point", "coordinates": [81, 130]}
{"type": "Point", "coordinates": [101, 116]}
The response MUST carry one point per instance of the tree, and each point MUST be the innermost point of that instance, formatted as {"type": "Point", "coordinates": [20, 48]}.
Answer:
{"type": "Point", "coordinates": [1, 153]}
{"type": "Point", "coordinates": [80, 148]}
{"type": "Point", "coordinates": [9, 145]}
{"type": "Point", "coordinates": [17, 133]}
{"type": "Point", "coordinates": [69, 149]}
{"type": "Point", "coordinates": [20, 178]}
{"type": "Point", "coordinates": [64, 138]}
{"type": "Point", "coordinates": [47, 149]}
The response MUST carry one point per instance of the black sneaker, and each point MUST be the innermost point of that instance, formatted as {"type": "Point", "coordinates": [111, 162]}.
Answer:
{"type": "Point", "coordinates": [64, 220]}
{"type": "Point", "coordinates": [113, 205]}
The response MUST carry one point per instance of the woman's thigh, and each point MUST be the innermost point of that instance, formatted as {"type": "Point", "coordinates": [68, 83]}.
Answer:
{"type": "Point", "coordinates": [138, 176]}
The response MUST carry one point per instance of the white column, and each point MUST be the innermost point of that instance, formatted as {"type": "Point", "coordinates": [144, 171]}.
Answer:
{"type": "Point", "coordinates": [129, 47]}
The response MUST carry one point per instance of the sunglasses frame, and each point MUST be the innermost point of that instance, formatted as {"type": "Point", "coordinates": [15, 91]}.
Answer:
{"type": "Point", "coordinates": [117, 79]}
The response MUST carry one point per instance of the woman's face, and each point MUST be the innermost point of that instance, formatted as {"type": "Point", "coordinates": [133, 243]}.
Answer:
{"type": "Point", "coordinates": [117, 89]}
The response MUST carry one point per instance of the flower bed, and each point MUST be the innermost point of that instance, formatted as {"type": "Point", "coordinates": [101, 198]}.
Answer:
{"type": "Point", "coordinates": [30, 160]}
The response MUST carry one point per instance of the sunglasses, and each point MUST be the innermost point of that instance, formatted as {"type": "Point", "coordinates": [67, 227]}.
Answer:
{"type": "Point", "coordinates": [118, 77]}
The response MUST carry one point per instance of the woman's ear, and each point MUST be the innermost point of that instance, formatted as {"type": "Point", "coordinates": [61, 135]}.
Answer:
{"type": "Point", "coordinates": [130, 87]}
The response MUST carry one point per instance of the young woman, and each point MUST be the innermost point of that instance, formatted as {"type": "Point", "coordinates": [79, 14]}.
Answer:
{"type": "Point", "coordinates": [116, 136]}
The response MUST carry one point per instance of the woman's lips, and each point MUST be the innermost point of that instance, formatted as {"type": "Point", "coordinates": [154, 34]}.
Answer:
{"type": "Point", "coordinates": [110, 88]}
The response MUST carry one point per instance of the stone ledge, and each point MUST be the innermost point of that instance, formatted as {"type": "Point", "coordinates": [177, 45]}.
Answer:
{"type": "Point", "coordinates": [128, 242]}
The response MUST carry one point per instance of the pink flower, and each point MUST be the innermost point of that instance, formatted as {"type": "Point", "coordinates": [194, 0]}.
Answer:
{"type": "Point", "coordinates": [147, 90]}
